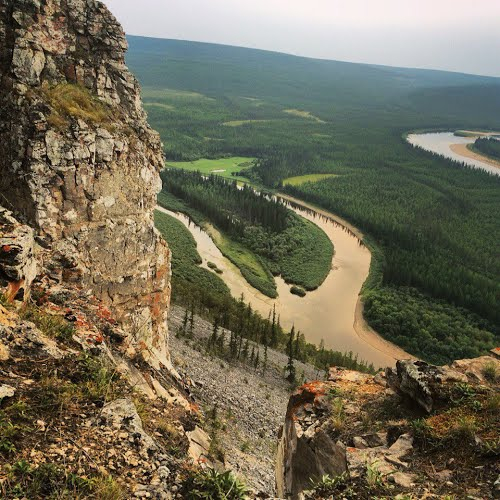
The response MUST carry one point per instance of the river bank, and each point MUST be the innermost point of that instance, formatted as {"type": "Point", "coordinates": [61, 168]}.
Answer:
{"type": "Point", "coordinates": [454, 147]}
{"type": "Point", "coordinates": [465, 151]}
{"type": "Point", "coordinates": [333, 312]}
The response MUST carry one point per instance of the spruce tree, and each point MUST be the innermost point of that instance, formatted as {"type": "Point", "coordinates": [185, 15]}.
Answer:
{"type": "Point", "coordinates": [183, 329]}
{"type": "Point", "coordinates": [297, 346]}
{"type": "Point", "coordinates": [212, 341]}
{"type": "Point", "coordinates": [274, 329]}
{"type": "Point", "coordinates": [290, 367]}
{"type": "Point", "coordinates": [245, 350]}
{"type": "Point", "coordinates": [191, 322]}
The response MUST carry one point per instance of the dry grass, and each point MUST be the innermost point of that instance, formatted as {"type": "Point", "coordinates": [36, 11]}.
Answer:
{"type": "Point", "coordinates": [68, 100]}
{"type": "Point", "coordinates": [51, 325]}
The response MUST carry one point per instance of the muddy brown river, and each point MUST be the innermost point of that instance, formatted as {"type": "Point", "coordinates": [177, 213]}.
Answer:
{"type": "Point", "coordinates": [331, 313]}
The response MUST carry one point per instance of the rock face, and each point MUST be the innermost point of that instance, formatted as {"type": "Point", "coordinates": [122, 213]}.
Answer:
{"type": "Point", "coordinates": [78, 161]}
{"type": "Point", "coordinates": [18, 266]}
{"type": "Point", "coordinates": [386, 436]}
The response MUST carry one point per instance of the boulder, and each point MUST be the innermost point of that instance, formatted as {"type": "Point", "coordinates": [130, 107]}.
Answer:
{"type": "Point", "coordinates": [6, 391]}
{"type": "Point", "coordinates": [122, 414]}
{"type": "Point", "coordinates": [475, 369]}
{"type": "Point", "coordinates": [199, 445]}
{"type": "Point", "coordinates": [421, 382]}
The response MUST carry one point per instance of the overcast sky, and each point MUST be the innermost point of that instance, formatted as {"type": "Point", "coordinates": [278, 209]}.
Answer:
{"type": "Point", "coordinates": [457, 35]}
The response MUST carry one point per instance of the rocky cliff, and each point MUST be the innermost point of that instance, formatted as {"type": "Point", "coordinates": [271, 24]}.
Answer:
{"type": "Point", "coordinates": [90, 406]}
{"type": "Point", "coordinates": [79, 163]}
{"type": "Point", "coordinates": [413, 431]}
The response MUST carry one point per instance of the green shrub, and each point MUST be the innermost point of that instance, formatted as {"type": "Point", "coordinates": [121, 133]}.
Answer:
{"type": "Point", "coordinates": [490, 372]}
{"type": "Point", "coordinates": [297, 290]}
{"type": "Point", "coordinates": [53, 326]}
{"type": "Point", "coordinates": [210, 484]}
{"type": "Point", "coordinates": [327, 486]}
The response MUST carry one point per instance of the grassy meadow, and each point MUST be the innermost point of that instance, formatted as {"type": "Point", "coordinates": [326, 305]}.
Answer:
{"type": "Point", "coordinates": [302, 179]}
{"type": "Point", "coordinates": [225, 167]}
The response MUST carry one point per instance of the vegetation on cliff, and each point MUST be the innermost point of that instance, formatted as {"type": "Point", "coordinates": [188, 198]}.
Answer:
{"type": "Point", "coordinates": [69, 100]}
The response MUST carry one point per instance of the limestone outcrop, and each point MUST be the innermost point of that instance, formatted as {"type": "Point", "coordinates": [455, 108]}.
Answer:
{"type": "Point", "coordinates": [18, 266]}
{"type": "Point", "coordinates": [79, 163]}
{"type": "Point", "coordinates": [394, 435]}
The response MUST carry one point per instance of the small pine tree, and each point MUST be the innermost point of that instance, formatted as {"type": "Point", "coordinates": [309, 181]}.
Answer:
{"type": "Point", "coordinates": [245, 350]}
{"type": "Point", "coordinates": [191, 322]}
{"type": "Point", "coordinates": [264, 364]}
{"type": "Point", "coordinates": [212, 341]}
{"type": "Point", "coordinates": [252, 355]}
{"type": "Point", "coordinates": [220, 342]}
{"type": "Point", "coordinates": [297, 346]}
{"type": "Point", "coordinates": [256, 363]}
{"type": "Point", "coordinates": [274, 329]}
{"type": "Point", "coordinates": [183, 329]}
{"type": "Point", "coordinates": [290, 367]}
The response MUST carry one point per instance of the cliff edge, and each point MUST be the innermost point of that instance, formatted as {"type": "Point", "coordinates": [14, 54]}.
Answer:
{"type": "Point", "coordinates": [413, 431]}
{"type": "Point", "coordinates": [79, 163]}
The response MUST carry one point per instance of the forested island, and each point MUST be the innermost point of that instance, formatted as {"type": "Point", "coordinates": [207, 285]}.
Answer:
{"type": "Point", "coordinates": [204, 292]}
{"type": "Point", "coordinates": [487, 146]}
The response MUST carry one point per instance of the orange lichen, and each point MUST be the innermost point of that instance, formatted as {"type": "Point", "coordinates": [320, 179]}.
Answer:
{"type": "Point", "coordinates": [194, 408]}
{"type": "Point", "coordinates": [13, 289]}
{"type": "Point", "coordinates": [105, 314]}
{"type": "Point", "coordinates": [317, 388]}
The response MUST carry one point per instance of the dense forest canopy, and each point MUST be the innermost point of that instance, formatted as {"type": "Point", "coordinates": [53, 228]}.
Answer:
{"type": "Point", "coordinates": [488, 147]}
{"type": "Point", "coordinates": [433, 224]}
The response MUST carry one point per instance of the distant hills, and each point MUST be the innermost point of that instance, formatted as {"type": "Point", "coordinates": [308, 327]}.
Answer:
{"type": "Point", "coordinates": [234, 71]}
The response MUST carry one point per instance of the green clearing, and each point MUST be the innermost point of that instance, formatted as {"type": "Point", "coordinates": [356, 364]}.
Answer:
{"type": "Point", "coordinates": [225, 167]}
{"type": "Point", "coordinates": [251, 266]}
{"type": "Point", "coordinates": [239, 123]}
{"type": "Point", "coordinates": [302, 179]}
{"type": "Point", "coordinates": [432, 222]}
{"type": "Point", "coordinates": [162, 105]}
{"type": "Point", "coordinates": [303, 114]}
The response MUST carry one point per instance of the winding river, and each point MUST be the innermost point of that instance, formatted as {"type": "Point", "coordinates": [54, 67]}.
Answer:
{"type": "Point", "coordinates": [455, 148]}
{"type": "Point", "coordinates": [333, 312]}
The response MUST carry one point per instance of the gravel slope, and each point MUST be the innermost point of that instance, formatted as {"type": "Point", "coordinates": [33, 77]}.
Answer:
{"type": "Point", "coordinates": [250, 407]}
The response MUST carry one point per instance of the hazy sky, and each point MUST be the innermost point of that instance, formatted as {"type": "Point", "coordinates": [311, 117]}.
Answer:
{"type": "Point", "coordinates": [457, 35]}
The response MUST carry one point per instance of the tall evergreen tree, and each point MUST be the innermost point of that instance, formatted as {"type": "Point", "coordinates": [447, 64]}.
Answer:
{"type": "Point", "coordinates": [290, 367]}
{"type": "Point", "coordinates": [191, 321]}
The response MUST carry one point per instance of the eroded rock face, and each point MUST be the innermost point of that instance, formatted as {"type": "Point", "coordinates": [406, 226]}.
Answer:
{"type": "Point", "coordinates": [307, 449]}
{"type": "Point", "coordinates": [18, 266]}
{"type": "Point", "coordinates": [78, 161]}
